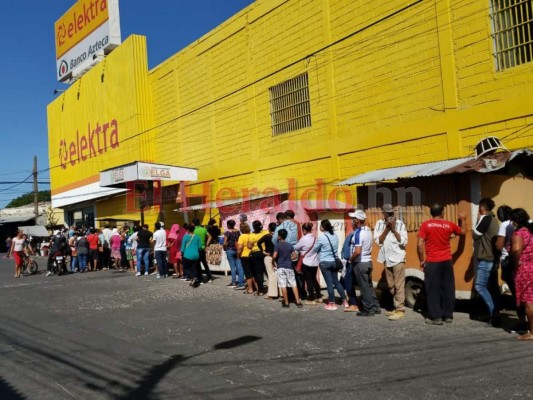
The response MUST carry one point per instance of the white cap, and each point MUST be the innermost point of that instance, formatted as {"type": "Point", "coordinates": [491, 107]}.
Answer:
{"type": "Point", "coordinates": [359, 214]}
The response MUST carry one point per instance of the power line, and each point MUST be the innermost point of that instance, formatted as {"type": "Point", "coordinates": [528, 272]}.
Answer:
{"type": "Point", "coordinates": [262, 78]}
{"type": "Point", "coordinates": [365, 48]}
{"type": "Point", "coordinates": [20, 182]}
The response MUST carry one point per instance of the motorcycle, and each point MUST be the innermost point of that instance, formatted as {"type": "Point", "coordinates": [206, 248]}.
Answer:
{"type": "Point", "coordinates": [59, 263]}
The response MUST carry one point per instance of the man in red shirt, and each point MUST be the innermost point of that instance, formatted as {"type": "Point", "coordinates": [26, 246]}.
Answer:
{"type": "Point", "coordinates": [434, 241]}
{"type": "Point", "coordinates": [94, 242]}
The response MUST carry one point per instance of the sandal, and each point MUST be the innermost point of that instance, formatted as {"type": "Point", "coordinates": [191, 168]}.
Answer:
{"type": "Point", "coordinates": [527, 336]}
{"type": "Point", "coordinates": [247, 292]}
{"type": "Point", "coordinates": [299, 305]}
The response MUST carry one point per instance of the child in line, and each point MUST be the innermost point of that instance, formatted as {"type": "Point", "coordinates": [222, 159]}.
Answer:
{"type": "Point", "coordinates": [283, 267]}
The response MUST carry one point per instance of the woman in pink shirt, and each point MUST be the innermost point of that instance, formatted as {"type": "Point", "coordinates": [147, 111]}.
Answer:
{"type": "Point", "coordinates": [175, 238]}
{"type": "Point", "coordinates": [115, 242]}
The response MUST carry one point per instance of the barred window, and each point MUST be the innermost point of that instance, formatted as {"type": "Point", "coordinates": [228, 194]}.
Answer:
{"type": "Point", "coordinates": [289, 105]}
{"type": "Point", "coordinates": [512, 24]}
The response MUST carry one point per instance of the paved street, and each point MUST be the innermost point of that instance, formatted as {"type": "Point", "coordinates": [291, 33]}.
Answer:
{"type": "Point", "coordinates": [109, 335]}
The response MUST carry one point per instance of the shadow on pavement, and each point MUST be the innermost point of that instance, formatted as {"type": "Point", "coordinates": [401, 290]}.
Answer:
{"type": "Point", "coordinates": [148, 383]}
{"type": "Point", "coordinates": [7, 392]}
{"type": "Point", "coordinates": [102, 373]}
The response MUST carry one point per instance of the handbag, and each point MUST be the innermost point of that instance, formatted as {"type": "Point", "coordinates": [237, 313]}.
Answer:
{"type": "Point", "coordinates": [338, 263]}
{"type": "Point", "coordinates": [299, 265]}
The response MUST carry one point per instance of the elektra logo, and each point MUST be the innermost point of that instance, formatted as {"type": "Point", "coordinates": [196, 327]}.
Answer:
{"type": "Point", "coordinates": [63, 68]}
{"type": "Point", "coordinates": [99, 140]}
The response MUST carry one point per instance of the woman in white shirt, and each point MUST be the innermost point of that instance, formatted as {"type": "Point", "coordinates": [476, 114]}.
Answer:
{"type": "Point", "coordinates": [17, 250]}
{"type": "Point", "coordinates": [309, 264]}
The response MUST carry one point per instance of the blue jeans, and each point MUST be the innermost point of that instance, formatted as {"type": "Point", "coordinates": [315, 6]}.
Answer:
{"type": "Point", "coordinates": [235, 266]}
{"type": "Point", "coordinates": [142, 256]}
{"type": "Point", "coordinates": [484, 269]}
{"type": "Point", "coordinates": [82, 261]}
{"type": "Point", "coordinates": [73, 263]}
{"type": "Point", "coordinates": [332, 280]}
{"type": "Point", "coordinates": [161, 260]}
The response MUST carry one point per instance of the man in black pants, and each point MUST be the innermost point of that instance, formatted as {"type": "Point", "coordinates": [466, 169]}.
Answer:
{"type": "Point", "coordinates": [435, 256]}
{"type": "Point", "coordinates": [201, 232]}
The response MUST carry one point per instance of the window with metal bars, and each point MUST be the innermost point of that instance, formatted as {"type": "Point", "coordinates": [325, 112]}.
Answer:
{"type": "Point", "coordinates": [512, 24]}
{"type": "Point", "coordinates": [290, 109]}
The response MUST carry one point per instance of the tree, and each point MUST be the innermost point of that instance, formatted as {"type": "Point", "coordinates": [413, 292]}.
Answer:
{"type": "Point", "coordinates": [25, 199]}
{"type": "Point", "coordinates": [51, 218]}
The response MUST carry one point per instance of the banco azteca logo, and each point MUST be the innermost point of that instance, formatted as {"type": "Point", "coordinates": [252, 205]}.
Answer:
{"type": "Point", "coordinates": [63, 68]}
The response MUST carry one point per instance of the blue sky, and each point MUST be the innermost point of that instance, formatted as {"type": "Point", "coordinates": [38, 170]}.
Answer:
{"type": "Point", "coordinates": [28, 68]}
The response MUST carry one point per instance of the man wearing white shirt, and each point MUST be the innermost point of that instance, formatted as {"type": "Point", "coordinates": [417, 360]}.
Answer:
{"type": "Point", "coordinates": [503, 244]}
{"type": "Point", "coordinates": [391, 236]}
{"type": "Point", "coordinates": [106, 247]}
{"type": "Point", "coordinates": [160, 250]}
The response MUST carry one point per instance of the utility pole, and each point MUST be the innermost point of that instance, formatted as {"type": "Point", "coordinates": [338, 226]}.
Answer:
{"type": "Point", "coordinates": [35, 190]}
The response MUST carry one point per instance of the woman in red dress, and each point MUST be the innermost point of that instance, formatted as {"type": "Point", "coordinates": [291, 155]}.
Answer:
{"type": "Point", "coordinates": [522, 256]}
{"type": "Point", "coordinates": [17, 250]}
{"type": "Point", "coordinates": [174, 246]}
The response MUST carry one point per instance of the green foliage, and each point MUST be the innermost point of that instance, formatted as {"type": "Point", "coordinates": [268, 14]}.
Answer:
{"type": "Point", "coordinates": [25, 199]}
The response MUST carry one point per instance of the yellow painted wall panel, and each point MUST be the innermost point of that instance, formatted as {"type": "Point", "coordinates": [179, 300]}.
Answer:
{"type": "Point", "coordinates": [115, 208]}
{"type": "Point", "coordinates": [99, 122]}
{"type": "Point", "coordinates": [479, 82]}
{"type": "Point", "coordinates": [416, 151]}
{"type": "Point", "coordinates": [514, 133]}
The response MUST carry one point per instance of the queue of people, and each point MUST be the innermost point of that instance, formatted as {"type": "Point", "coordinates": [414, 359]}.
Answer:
{"type": "Point", "coordinates": [289, 255]}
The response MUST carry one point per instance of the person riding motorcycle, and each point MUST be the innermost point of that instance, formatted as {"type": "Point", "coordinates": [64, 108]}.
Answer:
{"type": "Point", "coordinates": [58, 245]}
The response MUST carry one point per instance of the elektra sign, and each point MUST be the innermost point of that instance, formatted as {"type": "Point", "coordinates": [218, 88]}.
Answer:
{"type": "Point", "coordinates": [84, 32]}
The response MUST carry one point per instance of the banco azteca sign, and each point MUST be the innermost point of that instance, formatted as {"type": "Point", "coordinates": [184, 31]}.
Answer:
{"type": "Point", "coordinates": [88, 29]}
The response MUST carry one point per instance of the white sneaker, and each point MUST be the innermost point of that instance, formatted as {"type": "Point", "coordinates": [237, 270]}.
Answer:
{"type": "Point", "coordinates": [146, 274]}
{"type": "Point", "coordinates": [49, 273]}
{"type": "Point", "coordinates": [158, 276]}
{"type": "Point", "coordinates": [138, 274]}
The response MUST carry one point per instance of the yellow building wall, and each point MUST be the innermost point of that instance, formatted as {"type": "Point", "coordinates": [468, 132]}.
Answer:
{"type": "Point", "coordinates": [119, 208]}
{"type": "Point", "coordinates": [492, 103]}
{"type": "Point", "coordinates": [406, 82]}
{"type": "Point", "coordinates": [391, 82]}
{"type": "Point", "coordinates": [115, 94]}
{"type": "Point", "coordinates": [374, 88]}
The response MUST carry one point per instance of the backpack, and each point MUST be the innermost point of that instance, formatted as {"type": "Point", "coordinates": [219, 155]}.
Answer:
{"type": "Point", "coordinates": [82, 242]}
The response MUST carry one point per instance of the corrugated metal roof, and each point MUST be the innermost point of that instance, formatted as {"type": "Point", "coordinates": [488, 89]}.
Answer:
{"type": "Point", "coordinates": [16, 218]}
{"type": "Point", "coordinates": [485, 164]}
{"type": "Point", "coordinates": [408, 171]}
{"type": "Point", "coordinates": [36, 230]}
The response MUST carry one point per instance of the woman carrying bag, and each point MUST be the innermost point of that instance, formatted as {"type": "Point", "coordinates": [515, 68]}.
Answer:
{"type": "Point", "coordinates": [190, 249]}
{"type": "Point", "coordinates": [325, 247]}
